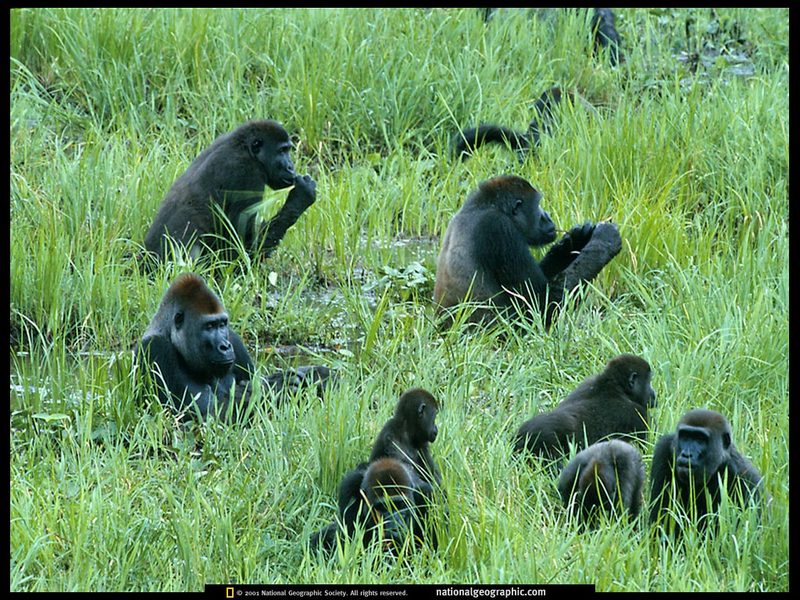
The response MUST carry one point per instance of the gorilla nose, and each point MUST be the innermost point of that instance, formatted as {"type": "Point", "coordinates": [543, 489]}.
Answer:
{"type": "Point", "coordinates": [226, 353]}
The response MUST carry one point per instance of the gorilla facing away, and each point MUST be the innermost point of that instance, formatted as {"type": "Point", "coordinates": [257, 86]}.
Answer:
{"type": "Point", "coordinates": [230, 175]}
{"type": "Point", "coordinates": [613, 403]}
{"type": "Point", "coordinates": [199, 364]}
{"type": "Point", "coordinates": [606, 476]}
{"type": "Point", "coordinates": [485, 255]}
{"type": "Point", "coordinates": [385, 499]}
{"type": "Point", "coordinates": [401, 453]}
{"type": "Point", "coordinates": [690, 467]}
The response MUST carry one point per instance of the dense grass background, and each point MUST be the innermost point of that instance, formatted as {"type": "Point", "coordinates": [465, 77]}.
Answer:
{"type": "Point", "coordinates": [687, 151]}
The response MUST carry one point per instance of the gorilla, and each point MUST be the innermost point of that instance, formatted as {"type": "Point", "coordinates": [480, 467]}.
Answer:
{"type": "Point", "coordinates": [401, 453]}
{"type": "Point", "coordinates": [408, 434]}
{"type": "Point", "coordinates": [382, 496]}
{"type": "Point", "coordinates": [485, 254]}
{"type": "Point", "coordinates": [605, 476]}
{"type": "Point", "coordinates": [469, 140]}
{"type": "Point", "coordinates": [690, 466]}
{"type": "Point", "coordinates": [612, 403]}
{"type": "Point", "coordinates": [230, 176]}
{"type": "Point", "coordinates": [199, 364]}
{"type": "Point", "coordinates": [605, 35]}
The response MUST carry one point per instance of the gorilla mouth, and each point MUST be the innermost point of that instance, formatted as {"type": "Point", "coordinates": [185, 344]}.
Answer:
{"type": "Point", "coordinates": [222, 363]}
{"type": "Point", "coordinates": [684, 470]}
{"type": "Point", "coordinates": [287, 180]}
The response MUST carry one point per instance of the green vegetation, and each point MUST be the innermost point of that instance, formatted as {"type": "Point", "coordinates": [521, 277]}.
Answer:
{"type": "Point", "coordinates": [688, 153]}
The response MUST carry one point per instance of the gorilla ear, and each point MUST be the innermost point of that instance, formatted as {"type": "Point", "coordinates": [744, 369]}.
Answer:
{"type": "Point", "coordinates": [516, 207]}
{"type": "Point", "coordinates": [421, 409]}
{"type": "Point", "coordinates": [726, 440]}
{"type": "Point", "coordinates": [632, 381]}
{"type": "Point", "coordinates": [178, 321]}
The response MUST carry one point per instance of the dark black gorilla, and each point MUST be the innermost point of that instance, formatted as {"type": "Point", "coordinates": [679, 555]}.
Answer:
{"type": "Point", "coordinates": [467, 141]}
{"type": "Point", "coordinates": [607, 476]}
{"type": "Point", "coordinates": [404, 439]}
{"type": "Point", "coordinates": [199, 364]}
{"type": "Point", "coordinates": [692, 464]}
{"type": "Point", "coordinates": [612, 403]}
{"type": "Point", "coordinates": [384, 497]}
{"type": "Point", "coordinates": [605, 35]}
{"type": "Point", "coordinates": [485, 255]}
{"type": "Point", "coordinates": [230, 175]}
{"type": "Point", "coordinates": [407, 436]}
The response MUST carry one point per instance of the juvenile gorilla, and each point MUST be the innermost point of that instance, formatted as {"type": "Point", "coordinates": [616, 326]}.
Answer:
{"type": "Point", "coordinates": [401, 453]}
{"type": "Point", "coordinates": [612, 403]}
{"type": "Point", "coordinates": [691, 464]}
{"type": "Point", "coordinates": [200, 365]}
{"type": "Point", "coordinates": [485, 255]}
{"type": "Point", "coordinates": [605, 476]}
{"type": "Point", "coordinates": [230, 175]}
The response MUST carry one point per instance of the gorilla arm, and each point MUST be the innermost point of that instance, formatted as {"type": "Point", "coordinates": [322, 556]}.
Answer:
{"type": "Point", "coordinates": [661, 474]}
{"type": "Point", "coordinates": [564, 252]}
{"type": "Point", "coordinates": [508, 268]}
{"type": "Point", "coordinates": [269, 236]}
{"type": "Point", "coordinates": [604, 244]}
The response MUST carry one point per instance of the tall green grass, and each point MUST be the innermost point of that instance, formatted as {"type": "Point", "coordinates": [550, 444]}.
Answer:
{"type": "Point", "coordinates": [109, 106]}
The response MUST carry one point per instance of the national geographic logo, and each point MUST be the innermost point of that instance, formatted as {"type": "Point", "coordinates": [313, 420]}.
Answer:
{"type": "Point", "coordinates": [378, 592]}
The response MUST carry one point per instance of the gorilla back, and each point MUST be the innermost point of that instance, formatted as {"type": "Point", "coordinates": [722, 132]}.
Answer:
{"type": "Point", "coordinates": [611, 403]}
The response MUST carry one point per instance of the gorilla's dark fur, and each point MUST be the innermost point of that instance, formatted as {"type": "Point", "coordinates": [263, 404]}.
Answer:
{"type": "Point", "coordinates": [230, 176]}
{"type": "Point", "coordinates": [401, 453]}
{"type": "Point", "coordinates": [199, 364]}
{"type": "Point", "coordinates": [613, 403]}
{"type": "Point", "coordinates": [692, 464]}
{"type": "Point", "coordinates": [607, 476]}
{"type": "Point", "coordinates": [485, 255]}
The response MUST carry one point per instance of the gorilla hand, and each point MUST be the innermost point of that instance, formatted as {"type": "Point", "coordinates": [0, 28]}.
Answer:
{"type": "Point", "coordinates": [303, 194]}
{"type": "Point", "coordinates": [579, 236]}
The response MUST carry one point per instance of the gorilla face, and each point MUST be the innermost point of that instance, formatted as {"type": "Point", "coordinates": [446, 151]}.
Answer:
{"type": "Point", "coordinates": [203, 342]}
{"type": "Point", "coordinates": [534, 224]}
{"type": "Point", "coordinates": [427, 422]}
{"type": "Point", "coordinates": [642, 391]}
{"type": "Point", "coordinates": [699, 452]}
{"type": "Point", "coordinates": [270, 145]}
